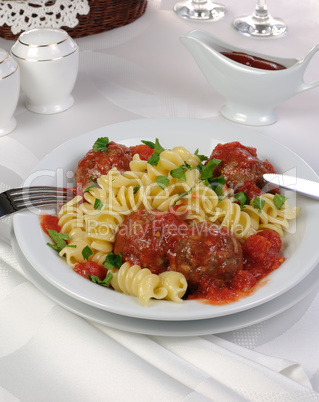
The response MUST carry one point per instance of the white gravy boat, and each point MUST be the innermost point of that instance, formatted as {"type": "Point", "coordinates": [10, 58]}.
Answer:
{"type": "Point", "coordinates": [251, 94]}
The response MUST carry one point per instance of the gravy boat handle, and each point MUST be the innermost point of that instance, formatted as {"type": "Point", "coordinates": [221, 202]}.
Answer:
{"type": "Point", "coordinates": [306, 86]}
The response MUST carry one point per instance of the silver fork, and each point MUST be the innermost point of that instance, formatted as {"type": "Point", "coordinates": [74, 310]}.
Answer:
{"type": "Point", "coordinates": [17, 199]}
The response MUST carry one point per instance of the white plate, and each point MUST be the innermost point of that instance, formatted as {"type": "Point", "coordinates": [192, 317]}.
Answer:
{"type": "Point", "coordinates": [300, 248]}
{"type": "Point", "coordinates": [209, 326]}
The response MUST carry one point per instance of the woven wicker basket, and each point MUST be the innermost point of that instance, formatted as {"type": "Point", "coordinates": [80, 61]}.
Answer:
{"type": "Point", "coordinates": [104, 15]}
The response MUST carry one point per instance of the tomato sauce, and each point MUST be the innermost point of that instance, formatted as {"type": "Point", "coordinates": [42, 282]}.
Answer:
{"type": "Point", "coordinates": [143, 150]}
{"type": "Point", "coordinates": [85, 268]}
{"type": "Point", "coordinates": [49, 222]}
{"type": "Point", "coordinates": [253, 61]}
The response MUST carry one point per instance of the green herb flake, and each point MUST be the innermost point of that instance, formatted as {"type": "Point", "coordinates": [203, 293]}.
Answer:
{"type": "Point", "coordinates": [201, 157]}
{"type": "Point", "coordinates": [208, 169]}
{"type": "Point", "coordinates": [162, 181]}
{"type": "Point", "coordinates": [136, 188]}
{"type": "Point", "coordinates": [279, 200]}
{"type": "Point", "coordinates": [216, 184]}
{"type": "Point", "coordinates": [59, 239]}
{"type": "Point", "coordinates": [242, 198]}
{"type": "Point", "coordinates": [179, 173]}
{"type": "Point", "coordinates": [182, 196]}
{"type": "Point", "coordinates": [88, 188]}
{"type": "Point", "coordinates": [86, 252]}
{"type": "Point", "coordinates": [149, 143]}
{"type": "Point", "coordinates": [106, 281]}
{"type": "Point", "coordinates": [98, 204]}
{"type": "Point", "coordinates": [158, 148]}
{"type": "Point", "coordinates": [113, 260]}
{"type": "Point", "coordinates": [258, 203]}
{"type": "Point", "coordinates": [101, 144]}
{"type": "Point", "coordinates": [154, 159]}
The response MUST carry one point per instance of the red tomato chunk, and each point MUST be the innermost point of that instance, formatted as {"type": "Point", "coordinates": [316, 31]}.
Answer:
{"type": "Point", "coordinates": [49, 222]}
{"type": "Point", "coordinates": [85, 268]}
{"type": "Point", "coordinates": [143, 150]}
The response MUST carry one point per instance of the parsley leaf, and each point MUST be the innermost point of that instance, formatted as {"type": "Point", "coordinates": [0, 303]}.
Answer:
{"type": "Point", "coordinates": [279, 200]}
{"type": "Point", "coordinates": [136, 188]}
{"type": "Point", "coordinates": [162, 181]}
{"type": "Point", "coordinates": [201, 157]}
{"type": "Point", "coordinates": [158, 148]}
{"type": "Point", "coordinates": [86, 252]}
{"type": "Point", "coordinates": [242, 198]}
{"type": "Point", "coordinates": [59, 239]}
{"type": "Point", "coordinates": [106, 281]}
{"type": "Point", "coordinates": [98, 204]}
{"type": "Point", "coordinates": [149, 143]}
{"type": "Point", "coordinates": [101, 144]}
{"type": "Point", "coordinates": [113, 260]}
{"type": "Point", "coordinates": [217, 184]}
{"type": "Point", "coordinates": [182, 196]}
{"type": "Point", "coordinates": [179, 173]}
{"type": "Point", "coordinates": [207, 170]}
{"type": "Point", "coordinates": [258, 203]}
{"type": "Point", "coordinates": [87, 188]}
{"type": "Point", "coordinates": [154, 158]}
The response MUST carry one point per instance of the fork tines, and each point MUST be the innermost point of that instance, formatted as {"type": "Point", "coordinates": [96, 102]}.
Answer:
{"type": "Point", "coordinates": [28, 197]}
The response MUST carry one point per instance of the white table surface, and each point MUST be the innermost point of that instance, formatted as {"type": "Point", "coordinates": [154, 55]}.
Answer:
{"type": "Point", "coordinates": [142, 71]}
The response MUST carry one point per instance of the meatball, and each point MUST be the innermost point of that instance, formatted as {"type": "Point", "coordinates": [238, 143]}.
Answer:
{"type": "Point", "coordinates": [208, 252]}
{"type": "Point", "coordinates": [146, 236]}
{"type": "Point", "coordinates": [240, 165]}
{"type": "Point", "coordinates": [95, 164]}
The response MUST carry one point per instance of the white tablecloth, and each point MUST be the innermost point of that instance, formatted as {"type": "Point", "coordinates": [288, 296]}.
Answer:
{"type": "Point", "coordinates": [142, 71]}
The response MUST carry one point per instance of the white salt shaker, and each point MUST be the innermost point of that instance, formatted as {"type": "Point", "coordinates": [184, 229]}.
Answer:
{"type": "Point", "coordinates": [48, 59]}
{"type": "Point", "coordinates": [9, 92]}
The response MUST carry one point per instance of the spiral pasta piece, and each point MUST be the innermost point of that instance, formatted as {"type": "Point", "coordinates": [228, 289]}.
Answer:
{"type": "Point", "coordinates": [176, 285]}
{"type": "Point", "coordinates": [70, 216]}
{"type": "Point", "coordinates": [140, 282]}
{"type": "Point", "coordinates": [229, 214]}
{"type": "Point", "coordinates": [73, 251]}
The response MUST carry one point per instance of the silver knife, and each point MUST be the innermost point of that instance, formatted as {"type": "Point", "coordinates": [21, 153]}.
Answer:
{"type": "Point", "coordinates": [306, 187]}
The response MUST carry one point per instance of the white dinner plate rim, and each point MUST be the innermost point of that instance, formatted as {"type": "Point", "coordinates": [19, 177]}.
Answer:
{"type": "Point", "coordinates": [161, 310]}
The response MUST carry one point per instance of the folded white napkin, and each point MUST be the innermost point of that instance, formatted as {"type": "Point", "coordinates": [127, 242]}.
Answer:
{"type": "Point", "coordinates": [48, 353]}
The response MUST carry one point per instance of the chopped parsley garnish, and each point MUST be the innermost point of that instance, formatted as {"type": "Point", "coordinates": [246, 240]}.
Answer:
{"type": "Point", "coordinates": [113, 260]}
{"type": "Point", "coordinates": [59, 240]}
{"type": "Point", "coordinates": [149, 143]}
{"type": "Point", "coordinates": [136, 188]}
{"type": "Point", "coordinates": [179, 173]}
{"type": "Point", "coordinates": [201, 157]}
{"type": "Point", "coordinates": [106, 281]}
{"type": "Point", "coordinates": [208, 169]}
{"type": "Point", "coordinates": [258, 203]}
{"type": "Point", "coordinates": [216, 184]}
{"type": "Point", "coordinates": [154, 158]}
{"type": "Point", "coordinates": [98, 204]}
{"type": "Point", "coordinates": [86, 252]}
{"type": "Point", "coordinates": [182, 196]}
{"type": "Point", "coordinates": [242, 199]}
{"type": "Point", "coordinates": [279, 200]}
{"type": "Point", "coordinates": [162, 181]}
{"type": "Point", "coordinates": [101, 144]}
{"type": "Point", "coordinates": [87, 188]}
